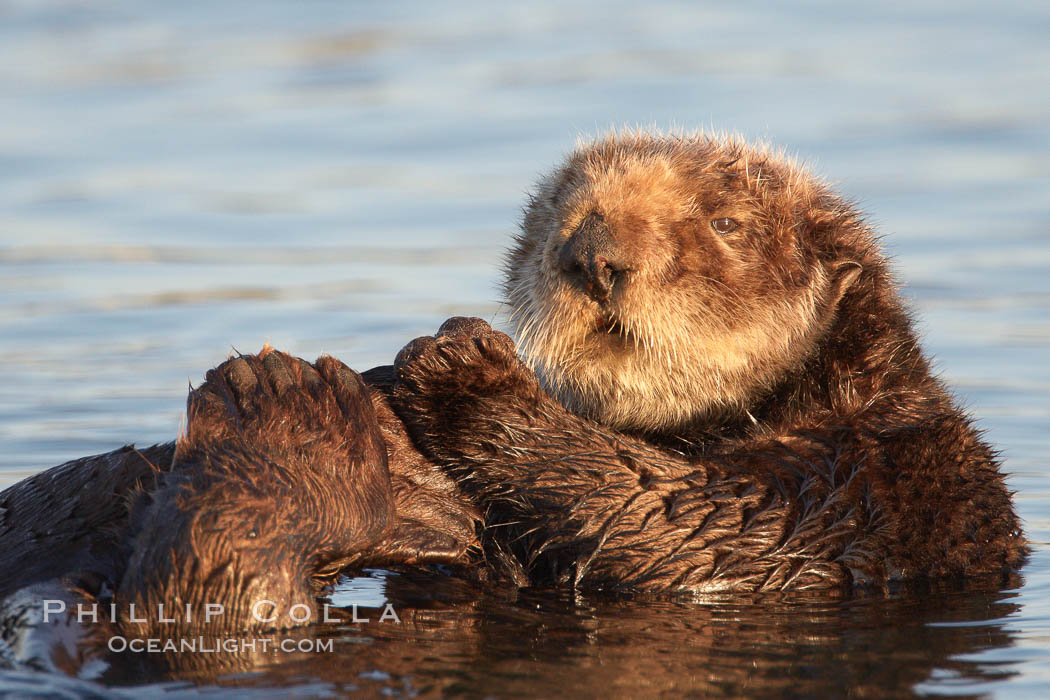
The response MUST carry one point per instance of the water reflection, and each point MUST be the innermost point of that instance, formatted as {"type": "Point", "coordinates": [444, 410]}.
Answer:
{"type": "Point", "coordinates": [454, 637]}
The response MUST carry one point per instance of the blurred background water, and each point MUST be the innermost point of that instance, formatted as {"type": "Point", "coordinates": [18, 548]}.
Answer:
{"type": "Point", "coordinates": [181, 179]}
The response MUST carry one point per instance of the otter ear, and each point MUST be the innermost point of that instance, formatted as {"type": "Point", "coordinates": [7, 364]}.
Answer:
{"type": "Point", "coordinates": [845, 276]}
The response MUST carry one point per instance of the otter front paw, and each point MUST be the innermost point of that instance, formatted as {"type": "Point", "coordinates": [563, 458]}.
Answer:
{"type": "Point", "coordinates": [274, 398]}
{"type": "Point", "coordinates": [465, 356]}
{"type": "Point", "coordinates": [457, 380]}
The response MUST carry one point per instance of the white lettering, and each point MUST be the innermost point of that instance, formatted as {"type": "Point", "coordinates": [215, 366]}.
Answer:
{"type": "Point", "coordinates": [82, 612]}
{"type": "Point", "coordinates": [53, 606]}
{"type": "Point", "coordinates": [304, 606]}
{"type": "Point", "coordinates": [389, 614]}
{"type": "Point", "coordinates": [212, 610]}
{"type": "Point", "coordinates": [255, 611]}
{"type": "Point", "coordinates": [160, 614]}
{"type": "Point", "coordinates": [132, 618]}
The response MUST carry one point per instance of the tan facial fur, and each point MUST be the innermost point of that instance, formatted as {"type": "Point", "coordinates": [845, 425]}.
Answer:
{"type": "Point", "coordinates": [699, 323]}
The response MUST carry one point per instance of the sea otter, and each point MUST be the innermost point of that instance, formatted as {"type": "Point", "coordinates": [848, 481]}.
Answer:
{"type": "Point", "coordinates": [719, 390]}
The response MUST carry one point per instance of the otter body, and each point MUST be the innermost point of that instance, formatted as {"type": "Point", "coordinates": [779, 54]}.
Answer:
{"type": "Point", "coordinates": [721, 389]}
{"type": "Point", "coordinates": [718, 390]}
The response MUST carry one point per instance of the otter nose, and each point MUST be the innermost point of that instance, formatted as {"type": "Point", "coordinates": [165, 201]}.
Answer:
{"type": "Point", "coordinates": [591, 260]}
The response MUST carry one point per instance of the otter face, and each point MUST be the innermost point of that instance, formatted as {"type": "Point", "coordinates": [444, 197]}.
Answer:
{"type": "Point", "coordinates": [661, 282]}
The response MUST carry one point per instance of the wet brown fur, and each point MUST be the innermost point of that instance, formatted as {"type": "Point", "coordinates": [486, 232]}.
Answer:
{"type": "Point", "coordinates": [747, 411]}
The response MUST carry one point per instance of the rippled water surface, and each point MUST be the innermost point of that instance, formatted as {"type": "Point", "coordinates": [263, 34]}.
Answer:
{"type": "Point", "coordinates": [180, 179]}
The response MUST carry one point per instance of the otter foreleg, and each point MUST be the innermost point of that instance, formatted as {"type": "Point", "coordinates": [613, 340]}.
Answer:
{"type": "Point", "coordinates": [577, 502]}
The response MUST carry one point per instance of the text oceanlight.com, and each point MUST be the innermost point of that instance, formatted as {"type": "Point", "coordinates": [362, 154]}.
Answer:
{"type": "Point", "coordinates": [229, 645]}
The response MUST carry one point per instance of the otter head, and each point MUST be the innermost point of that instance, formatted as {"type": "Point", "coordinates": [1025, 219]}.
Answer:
{"type": "Point", "coordinates": [241, 539]}
{"type": "Point", "coordinates": [661, 282]}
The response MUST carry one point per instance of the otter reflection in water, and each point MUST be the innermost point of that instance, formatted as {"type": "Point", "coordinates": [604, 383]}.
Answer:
{"type": "Point", "coordinates": [718, 390]}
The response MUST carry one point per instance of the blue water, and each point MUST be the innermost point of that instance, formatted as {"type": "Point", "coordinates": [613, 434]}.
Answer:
{"type": "Point", "coordinates": [181, 179]}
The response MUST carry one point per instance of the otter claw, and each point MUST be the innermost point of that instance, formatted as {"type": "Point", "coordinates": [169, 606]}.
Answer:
{"type": "Point", "coordinates": [311, 380]}
{"type": "Point", "coordinates": [496, 342]}
{"type": "Point", "coordinates": [279, 374]}
{"type": "Point", "coordinates": [240, 378]}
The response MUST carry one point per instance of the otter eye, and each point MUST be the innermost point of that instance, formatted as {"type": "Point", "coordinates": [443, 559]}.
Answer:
{"type": "Point", "coordinates": [723, 225]}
